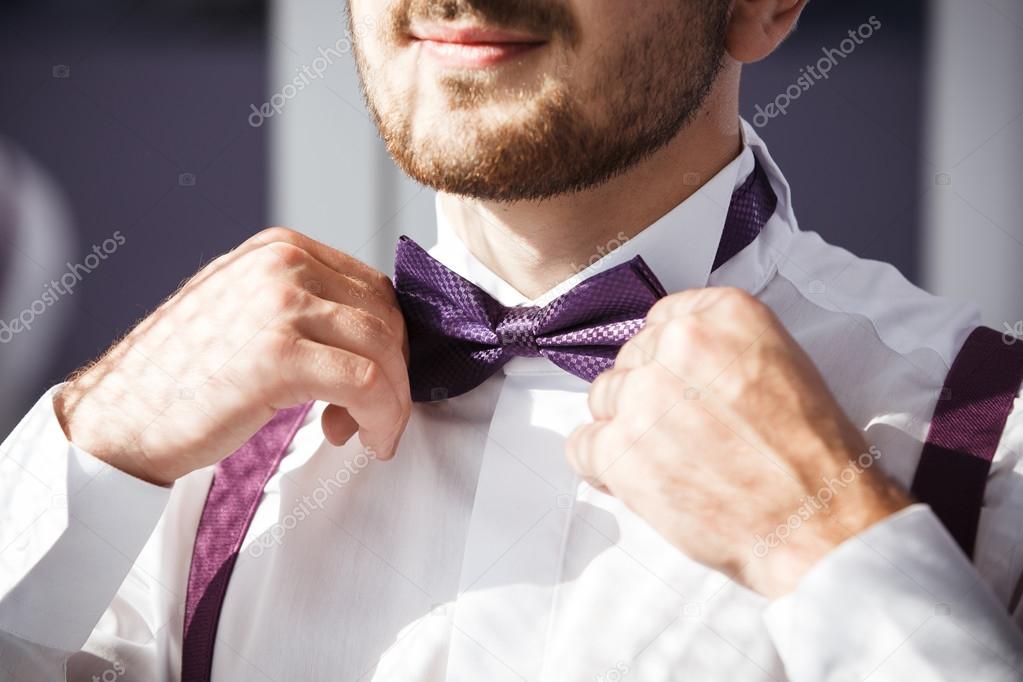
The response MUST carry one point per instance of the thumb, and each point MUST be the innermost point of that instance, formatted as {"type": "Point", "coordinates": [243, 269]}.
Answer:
{"type": "Point", "coordinates": [338, 425]}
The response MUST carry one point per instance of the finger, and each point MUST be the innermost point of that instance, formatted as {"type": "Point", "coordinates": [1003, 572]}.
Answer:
{"type": "Point", "coordinates": [362, 333]}
{"type": "Point", "coordinates": [691, 302]}
{"type": "Point", "coordinates": [683, 303]}
{"type": "Point", "coordinates": [330, 285]}
{"type": "Point", "coordinates": [607, 394]}
{"type": "Point", "coordinates": [335, 260]}
{"type": "Point", "coordinates": [338, 425]}
{"type": "Point", "coordinates": [273, 238]}
{"type": "Point", "coordinates": [322, 372]}
{"type": "Point", "coordinates": [638, 351]}
{"type": "Point", "coordinates": [588, 451]}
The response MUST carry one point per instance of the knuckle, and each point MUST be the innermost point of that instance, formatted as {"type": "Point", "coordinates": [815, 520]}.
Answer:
{"type": "Point", "coordinates": [288, 255]}
{"type": "Point", "coordinates": [218, 262]}
{"type": "Point", "coordinates": [366, 376]}
{"type": "Point", "coordinates": [734, 299]}
{"type": "Point", "coordinates": [273, 235]}
{"type": "Point", "coordinates": [679, 333]}
{"type": "Point", "coordinates": [356, 288]}
{"type": "Point", "coordinates": [600, 391]}
{"type": "Point", "coordinates": [395, 321]}
{"type": "Point", "coordinates": [580, 443]}
{"type": "Point", "coordinates": [284, 297]}
{"type": "Point", "coordinates": [367, 325]}
{"type": "Point", "coordinates": [262, 261]}
{"type": "Point", "coordinates": [662, 308]}
{"type": "Point", "coordinates": [367, 290]}
{"type": "Point", "coordinates": [381, 282]}
{"type": "Point", "coordinates": [374, 326]}
{"type": "Point", "coordinates": [278, 346]}
{"type": "Point", "coordinates": [575, 451]}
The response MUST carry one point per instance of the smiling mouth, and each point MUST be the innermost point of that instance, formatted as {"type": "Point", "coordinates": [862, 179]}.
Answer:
{"type": "Point", "coordinates": [472, 46]}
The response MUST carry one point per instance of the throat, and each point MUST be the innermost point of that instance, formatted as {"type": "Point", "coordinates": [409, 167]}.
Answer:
{"type": "Point", "coordinates": [536, 245]}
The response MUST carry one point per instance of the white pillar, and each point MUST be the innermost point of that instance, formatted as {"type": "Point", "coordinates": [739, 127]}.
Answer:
{"type": "Point", "coordinates": [973, 210]}
{"type": "Point", "coordinates": [330, 176]}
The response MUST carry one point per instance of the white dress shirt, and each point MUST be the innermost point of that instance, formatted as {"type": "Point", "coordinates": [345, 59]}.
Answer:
{"type": "Point", "coordinates": [478, 555]}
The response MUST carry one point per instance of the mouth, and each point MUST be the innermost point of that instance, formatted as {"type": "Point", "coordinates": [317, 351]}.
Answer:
{"type": "Point", "coordinates": [472, 47]}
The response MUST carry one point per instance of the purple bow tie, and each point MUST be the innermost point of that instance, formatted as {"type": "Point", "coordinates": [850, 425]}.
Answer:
{"type": "Point", "coordinates": [460, 336]}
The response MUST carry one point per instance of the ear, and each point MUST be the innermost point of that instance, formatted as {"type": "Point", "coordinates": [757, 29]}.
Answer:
{"type": "Point", "coordinates": [757, 27]}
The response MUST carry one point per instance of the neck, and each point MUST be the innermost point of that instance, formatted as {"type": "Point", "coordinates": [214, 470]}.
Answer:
{"type": "Point", "coordinates": [535, 245]}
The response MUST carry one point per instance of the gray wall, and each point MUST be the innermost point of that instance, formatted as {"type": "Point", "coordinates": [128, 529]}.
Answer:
{"type": "Point", "coordinates": [151, 93]}
{"type": "Point", "coordinates": [972, 168]}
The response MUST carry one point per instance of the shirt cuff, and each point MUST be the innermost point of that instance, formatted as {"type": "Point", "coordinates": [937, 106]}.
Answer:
{"type": "Point", "coordinates": [71, 528]}
{"type": "Point", "coordinates": [898, 601]}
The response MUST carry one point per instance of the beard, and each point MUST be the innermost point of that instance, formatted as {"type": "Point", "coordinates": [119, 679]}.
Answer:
{"type": "Point", "coordinates": [561, 132]}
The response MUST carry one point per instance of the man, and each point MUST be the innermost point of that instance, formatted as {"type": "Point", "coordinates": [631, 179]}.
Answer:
{"type": "Point", "coordinates": [728, 499]}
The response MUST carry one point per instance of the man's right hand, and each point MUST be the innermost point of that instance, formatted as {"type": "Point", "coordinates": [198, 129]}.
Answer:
{"type": "Point", "coordinates": [277, 322]}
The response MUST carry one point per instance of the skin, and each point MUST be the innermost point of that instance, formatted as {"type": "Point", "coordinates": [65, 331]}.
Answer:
{"type": "Point", "coordinates": [278, 321]}
{"type": "Point", "coordinates": [534, 244]}
{"type": "Point", "coordinates": [715, 367]}
{"type": "Point", "coordinates": [529, 158]}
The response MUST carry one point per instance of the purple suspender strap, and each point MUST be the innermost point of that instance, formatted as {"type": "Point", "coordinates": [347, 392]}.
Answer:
{"type": "Point", "coordinates": [230, 505]}
{"type": "Point", "coordinates": [967, 426]}
{"type": "Point", "coordinates": [968, 422]}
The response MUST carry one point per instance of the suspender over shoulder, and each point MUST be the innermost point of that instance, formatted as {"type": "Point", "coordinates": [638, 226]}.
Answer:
{"type": "Point", "coordinates": [967, 425]}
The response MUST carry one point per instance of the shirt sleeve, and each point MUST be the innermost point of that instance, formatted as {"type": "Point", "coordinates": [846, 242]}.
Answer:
{"type": "Point", "coordinates": [900, 601]}
{"type": "Point", "coordinates": [71, 527]}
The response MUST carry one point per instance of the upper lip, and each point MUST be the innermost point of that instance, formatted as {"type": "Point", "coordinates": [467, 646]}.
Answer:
{"type": "Point", "coordinates": [467, 34]}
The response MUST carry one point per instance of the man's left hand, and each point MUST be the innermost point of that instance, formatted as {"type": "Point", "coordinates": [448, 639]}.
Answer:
{"type": "Point", "coordinates": [717, 429]}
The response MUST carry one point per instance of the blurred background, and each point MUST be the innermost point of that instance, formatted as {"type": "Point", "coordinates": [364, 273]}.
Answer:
{"type": "Point", "coordinates": [138, 140]}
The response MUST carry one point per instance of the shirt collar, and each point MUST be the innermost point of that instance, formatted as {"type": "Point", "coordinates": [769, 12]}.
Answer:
{"type": "Point", "coordinates": [679, 247]}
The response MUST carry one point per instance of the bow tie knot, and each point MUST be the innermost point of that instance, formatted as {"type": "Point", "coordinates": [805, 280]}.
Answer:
{"type": "Point", "coordinates": [517, 331]}
{"type": "Point", "coordinates": [460, 336]}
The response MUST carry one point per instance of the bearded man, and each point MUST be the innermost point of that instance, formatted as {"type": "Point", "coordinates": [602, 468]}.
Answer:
{"type": "Point", "coordinates": [719, 449]}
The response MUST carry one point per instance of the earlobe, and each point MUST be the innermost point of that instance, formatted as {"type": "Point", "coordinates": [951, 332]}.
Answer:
{"type": "Point", "coordinates": [757, 27]}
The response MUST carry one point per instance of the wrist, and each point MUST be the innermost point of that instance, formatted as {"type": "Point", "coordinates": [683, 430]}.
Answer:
{"type": "Point", "coordinates": [779, 570]}
{"type": "Point", "coordinates": [101, 437]}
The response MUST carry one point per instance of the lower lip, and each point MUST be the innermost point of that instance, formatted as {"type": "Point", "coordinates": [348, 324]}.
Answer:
{"type": "Point", "coordinates": [475, 55]}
